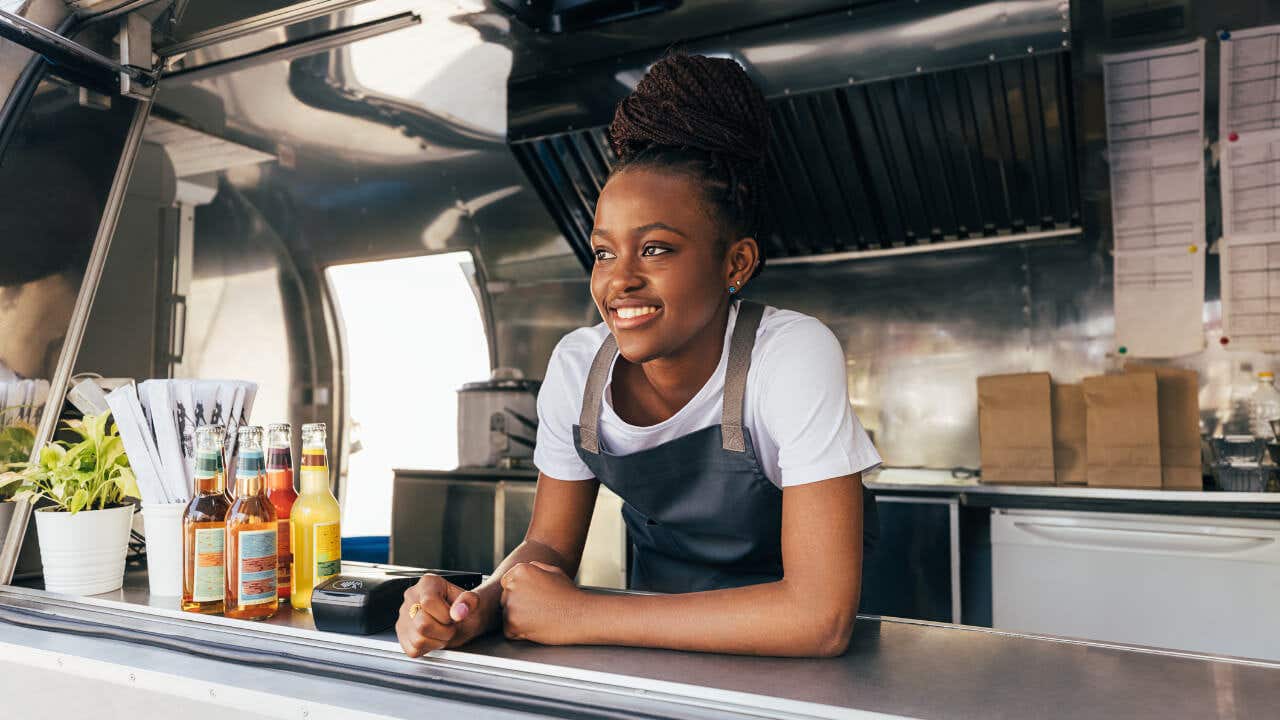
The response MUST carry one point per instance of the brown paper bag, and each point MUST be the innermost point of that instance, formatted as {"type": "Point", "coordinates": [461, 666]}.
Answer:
{"type": "Point", "coordinates": [1122, 431]}
{"type": "Point", "coordinates": [1069, 435]}
{"type": "Point", "coordinates": [1015, 429]}
{"type": "Point", "coordinates": [1178, 403]}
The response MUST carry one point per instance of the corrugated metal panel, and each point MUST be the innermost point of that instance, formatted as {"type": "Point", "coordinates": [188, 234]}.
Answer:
{"type": "Point", "coordinates": [923, 160]}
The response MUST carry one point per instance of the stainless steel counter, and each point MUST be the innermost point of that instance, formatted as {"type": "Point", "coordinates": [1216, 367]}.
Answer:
{"type": "Point", "coordinates": [893, 667]}
{"type": "Point", "coordinates": [1089, 493]}
{"type": "Point", "coordinates": [939, 484]}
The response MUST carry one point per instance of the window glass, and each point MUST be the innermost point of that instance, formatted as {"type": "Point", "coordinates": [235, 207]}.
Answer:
{"type": "Point", "coordinates": [412, 334]}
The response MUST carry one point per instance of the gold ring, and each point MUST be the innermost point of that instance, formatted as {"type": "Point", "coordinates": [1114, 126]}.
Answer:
{"type": "Point", "coordinates": [414, 609]}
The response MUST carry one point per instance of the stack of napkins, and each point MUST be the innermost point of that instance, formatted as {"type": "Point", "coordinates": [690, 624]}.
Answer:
{"type": "Point", "coordinates": [158, 421]}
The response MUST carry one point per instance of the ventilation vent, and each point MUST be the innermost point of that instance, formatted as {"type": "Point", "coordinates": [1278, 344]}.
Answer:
{"type": "Point", "coordinates": [934, 158]}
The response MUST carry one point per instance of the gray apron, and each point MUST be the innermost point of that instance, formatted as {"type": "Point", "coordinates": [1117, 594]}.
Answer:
{"type": "Point", "coordinates": [700, 513]}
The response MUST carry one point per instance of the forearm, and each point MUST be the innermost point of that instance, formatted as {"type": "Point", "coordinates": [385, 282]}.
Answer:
{"type": "Point", "coordinates": [770, 619]}
{"type": "Point", "coordinates": [490, 591]}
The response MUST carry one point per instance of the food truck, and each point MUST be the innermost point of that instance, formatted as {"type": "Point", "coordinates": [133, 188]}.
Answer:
{"type": "Point", "coordinates": [1036, 239]}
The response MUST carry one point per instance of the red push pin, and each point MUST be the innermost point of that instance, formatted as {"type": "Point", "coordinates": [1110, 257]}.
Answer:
{"type": "Point", "coordinates": [1233, 137]}
{"type": "Point", "coordinates": [1224, 340]}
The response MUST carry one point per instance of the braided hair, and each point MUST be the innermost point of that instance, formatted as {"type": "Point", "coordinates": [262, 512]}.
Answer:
{"type": "Point", "coordinates": [702, 116]}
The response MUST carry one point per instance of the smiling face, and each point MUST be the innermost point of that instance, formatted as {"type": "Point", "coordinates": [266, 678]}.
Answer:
{"type": "Point", "coordinates": [662, 267]}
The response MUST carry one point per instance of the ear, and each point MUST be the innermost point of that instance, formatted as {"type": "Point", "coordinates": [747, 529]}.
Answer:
{"type": "Point", "coordinates": [740, 261]}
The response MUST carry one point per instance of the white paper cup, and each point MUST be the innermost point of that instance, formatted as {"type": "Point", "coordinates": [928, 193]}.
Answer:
{"type": "Point", "coordinates": [163, 529]}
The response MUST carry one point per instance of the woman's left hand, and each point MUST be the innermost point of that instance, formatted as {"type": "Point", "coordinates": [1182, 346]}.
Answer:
{"type": "Point", "coordinates": [540, 603]}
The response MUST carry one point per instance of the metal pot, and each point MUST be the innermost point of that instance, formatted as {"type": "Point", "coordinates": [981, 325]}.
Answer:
{"type": "Point", "coordinates": [498, 420]}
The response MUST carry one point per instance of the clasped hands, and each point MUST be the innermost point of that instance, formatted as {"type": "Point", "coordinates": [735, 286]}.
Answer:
{"type": "Point", "coordinates": [539, 602]}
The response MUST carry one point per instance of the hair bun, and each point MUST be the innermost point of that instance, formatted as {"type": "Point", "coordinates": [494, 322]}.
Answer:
{"type": "Point", "coordinates": [693, 101]}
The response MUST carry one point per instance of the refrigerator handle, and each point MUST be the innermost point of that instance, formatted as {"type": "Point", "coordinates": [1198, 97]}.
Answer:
{"type": "Point", "coordinates": [1142, 540]}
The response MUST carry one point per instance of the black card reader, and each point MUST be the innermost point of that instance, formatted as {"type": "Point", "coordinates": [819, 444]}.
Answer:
{"type": "Point", "coordinates": [368, 603]}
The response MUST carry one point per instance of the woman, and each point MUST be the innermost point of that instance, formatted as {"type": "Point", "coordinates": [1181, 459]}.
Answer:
{"type": "Point", "coordinates": [724, 425]}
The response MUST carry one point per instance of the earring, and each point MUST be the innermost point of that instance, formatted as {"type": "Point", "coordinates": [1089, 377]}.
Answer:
{"type": "Point", "coordinates": [732, 289]}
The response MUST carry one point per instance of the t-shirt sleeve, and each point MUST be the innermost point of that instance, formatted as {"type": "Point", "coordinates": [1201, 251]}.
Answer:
{"type": "Point", "coordinates": [805, 406]}
{"type": "Point", "coordinates": [559, 405]}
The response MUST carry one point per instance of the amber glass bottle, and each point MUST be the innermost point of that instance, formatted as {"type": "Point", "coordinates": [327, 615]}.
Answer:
{"type": "Point", "coordinates": [251, 536]}
{"type": "Point", "coordinates": [281, 493]}
{"type": "Point", "coordinates": [204, 527]}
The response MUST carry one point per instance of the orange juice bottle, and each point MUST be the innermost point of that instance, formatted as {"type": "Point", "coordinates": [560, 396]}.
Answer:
{"type": "Point", "coordinates": [314, 520]}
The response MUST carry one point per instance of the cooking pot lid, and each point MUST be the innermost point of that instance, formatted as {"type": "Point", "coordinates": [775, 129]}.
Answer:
{"type": "Point", "coordinates": [523, 386]}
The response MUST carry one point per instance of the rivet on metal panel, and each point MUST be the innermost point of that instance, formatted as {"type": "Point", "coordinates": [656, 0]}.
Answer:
{"type": "Point", "coordinates": [992, 57]}
{"type": "Point", "coordinates": [1066, 28]}
{"type": "Point", "coordinates": [786, 91]}
{"type": "Point", "coordinates": [919, 69]}
{"type": "Point", "coordinates": [1066, 43]}
{"type": "Point", "coordinates": [1030, 49]}
{"type": "Point", "coordinates": [850, 81]}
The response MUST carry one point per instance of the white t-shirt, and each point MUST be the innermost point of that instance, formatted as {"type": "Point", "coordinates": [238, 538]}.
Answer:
{"type": "Point", "coordinates": [797, 405]}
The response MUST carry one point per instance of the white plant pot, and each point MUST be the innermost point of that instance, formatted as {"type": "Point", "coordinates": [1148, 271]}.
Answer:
{"type": "Point", "coordinates": [83, 554]}
{"type": "Point", "coordinates": [6, 515]}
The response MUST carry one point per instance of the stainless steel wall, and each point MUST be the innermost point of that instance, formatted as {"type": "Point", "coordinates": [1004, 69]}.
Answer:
{"type": "Point", "coordinates": [371, 167]}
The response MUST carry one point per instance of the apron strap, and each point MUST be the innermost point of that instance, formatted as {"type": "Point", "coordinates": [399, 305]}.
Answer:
{"type": "Point", "coordinates": [735, 379]}
{"type": "Point", "coordinates": [593, 395]}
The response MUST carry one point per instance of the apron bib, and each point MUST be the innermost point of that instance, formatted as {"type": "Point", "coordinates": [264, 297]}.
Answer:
{"type": "Point", "coordinates": [699, 511]}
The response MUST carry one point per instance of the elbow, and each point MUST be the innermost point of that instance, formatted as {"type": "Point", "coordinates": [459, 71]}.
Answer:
{"type": "Point", "coordinates": [827, 627]}
{"type": "Point", "coordinates": [834, 639]}
{"type": "Point", "coordinates": [830, 633]}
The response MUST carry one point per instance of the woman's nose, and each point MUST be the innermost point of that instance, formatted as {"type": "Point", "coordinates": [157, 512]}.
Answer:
{"type": "Point", "coordinates": [626, 273]}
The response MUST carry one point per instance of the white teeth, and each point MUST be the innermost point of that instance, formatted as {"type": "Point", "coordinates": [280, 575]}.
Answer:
{"type": "Point", "coordinates": [635, 312]}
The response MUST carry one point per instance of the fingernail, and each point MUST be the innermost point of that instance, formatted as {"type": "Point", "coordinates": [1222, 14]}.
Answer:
{"type": "Point", "coordinates": [460, 611]}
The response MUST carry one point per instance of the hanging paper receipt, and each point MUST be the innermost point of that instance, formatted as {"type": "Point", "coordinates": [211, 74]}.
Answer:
{"type": "Point", "coordinates": [1251, 291]}
{"type": "Point", "coordinates": [1155, 147]}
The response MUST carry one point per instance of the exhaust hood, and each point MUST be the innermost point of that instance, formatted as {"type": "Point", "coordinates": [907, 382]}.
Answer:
{"type": "Point", "coordinates": [976, 145]}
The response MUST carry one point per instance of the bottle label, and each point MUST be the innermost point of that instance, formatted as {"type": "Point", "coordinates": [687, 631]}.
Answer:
{"type": "Point", "coordinates": [328, 550]}
{"type": "Point", "coordinates": [257, 566]}
{"type": "Point", "coordinates": [284, 558]}
{"type": "Point", "coordinates": [208, 464]}
{"type": "Point", "coordinates": [210, 579]}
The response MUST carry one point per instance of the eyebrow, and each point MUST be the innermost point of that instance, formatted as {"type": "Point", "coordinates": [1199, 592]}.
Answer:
{"type": "Point", "coordinates": [642, 229]}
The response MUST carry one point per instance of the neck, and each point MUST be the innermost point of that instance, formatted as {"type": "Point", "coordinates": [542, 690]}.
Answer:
{"type": "Point", "coordinates": [677, 376]}
{"type": "Point", "coordinates": [248, 485]}
{"type": "Point", "coordinates": [314, 476]}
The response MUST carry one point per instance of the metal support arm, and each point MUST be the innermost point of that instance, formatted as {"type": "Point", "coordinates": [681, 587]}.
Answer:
{"type": "Point", "coordinates": [61, 51]}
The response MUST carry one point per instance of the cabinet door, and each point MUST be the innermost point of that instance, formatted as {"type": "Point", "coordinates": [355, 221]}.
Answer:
{"type": "Point", "coordinates": [1199, 584]}
{"type": "Point", "coordinates": [913, 572]}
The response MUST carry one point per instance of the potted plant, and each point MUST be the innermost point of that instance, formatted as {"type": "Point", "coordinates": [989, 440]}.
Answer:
{"type": "Point", "coordinates": [84, 531]}
{"type": "Point", "coordinates": [16, 440]}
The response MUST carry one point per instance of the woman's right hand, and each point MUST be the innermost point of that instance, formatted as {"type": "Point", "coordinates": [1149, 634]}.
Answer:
{"type": "Point", "coordinates": [438, 614]}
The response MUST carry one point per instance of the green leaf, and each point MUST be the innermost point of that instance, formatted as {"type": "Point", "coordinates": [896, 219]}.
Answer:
{"type": "Point", "coordinates": [52, 456]}
{"type": "Point", "coordinates": [127, 482]}
{"type": "Point", "coordinates": [78, 501]}
{"type": "Point", "coordinates": [112, 450]}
